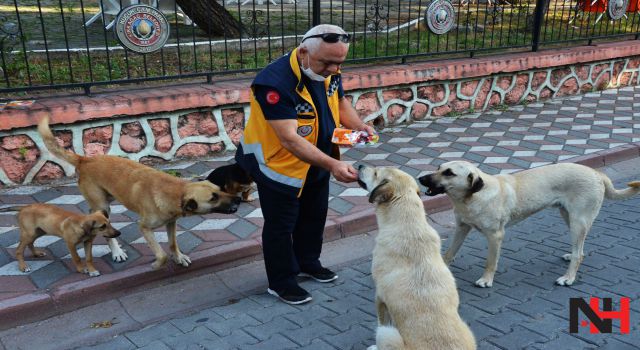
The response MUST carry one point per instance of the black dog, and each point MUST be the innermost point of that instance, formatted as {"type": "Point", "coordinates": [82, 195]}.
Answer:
{"type": "Point", "coordinates": [232, 179]}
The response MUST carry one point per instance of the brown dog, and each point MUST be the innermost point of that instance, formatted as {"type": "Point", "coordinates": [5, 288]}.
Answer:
{"type": "Point", "coordinates": [37, 220]}
{"type": "Point", "coordinates": [158, 198]}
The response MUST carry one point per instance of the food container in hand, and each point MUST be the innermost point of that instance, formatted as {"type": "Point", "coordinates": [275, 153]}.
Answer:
{"type": "Point", "coordinates": [353, 138]}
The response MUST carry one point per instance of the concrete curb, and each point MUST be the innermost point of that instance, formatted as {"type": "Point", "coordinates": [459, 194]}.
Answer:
{"type": "Point", "coordinates": [44, 304]}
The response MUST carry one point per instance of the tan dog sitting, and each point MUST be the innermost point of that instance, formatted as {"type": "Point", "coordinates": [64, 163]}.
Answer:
{"type": "Point", "coordinates": [491, 203]}
{"type": "Point", "coordinates": [416, 296]}
{"type": "Point", "coordinates": [36, 220]}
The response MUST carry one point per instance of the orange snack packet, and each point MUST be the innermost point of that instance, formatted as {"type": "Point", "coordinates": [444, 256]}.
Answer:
{"type": "Point", "coordinates": [353, 138]}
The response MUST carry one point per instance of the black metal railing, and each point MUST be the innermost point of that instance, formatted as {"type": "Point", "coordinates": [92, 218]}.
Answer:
{"type": "Point", "coordinates": [70, 44]}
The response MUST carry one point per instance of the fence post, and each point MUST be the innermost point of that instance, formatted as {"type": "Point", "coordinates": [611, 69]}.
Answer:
{"type": "Point", "coordinates": [538, 18]}
{"type": "Point", "coordinates": [315, 16]}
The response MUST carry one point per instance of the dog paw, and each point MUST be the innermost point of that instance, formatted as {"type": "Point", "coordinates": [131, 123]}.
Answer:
{"type": "Point", "coordinates": [484, 283]}
{"type": "Point", "coordinates": [117, 253]}
{"type": "Point", "coordinates": [567, 257]}
{"type": "Point", "coordinates": [248, 199]}
{"type": "Point", "coordinates": [182, 259]}
{"type": "Point", "coordinates": [120, 256]}
{"type": "Point", "coordinates": [92, 273]}
{"type": "Point", "coordinates": [25, 269]}
{"type": "Point", "coordinates": [39, 254]}
{"type": "Point", "coordinates": [159, 263]}
{"type": "Point", "coordinates": [565, 281]}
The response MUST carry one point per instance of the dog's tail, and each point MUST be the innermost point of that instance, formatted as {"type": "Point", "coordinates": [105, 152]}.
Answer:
{"type": "Point", "coordinates": [12, 208]}
{"type": "Point", "coordinates": [388, 337]}
{"type": "Point", "coordinates": [52, 145]}
{"type": "Point", "coordinates": [611, 193]}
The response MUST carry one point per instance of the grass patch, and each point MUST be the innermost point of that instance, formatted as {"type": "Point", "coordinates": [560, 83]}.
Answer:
{"type": "Point", "coordinates": [173, 172]}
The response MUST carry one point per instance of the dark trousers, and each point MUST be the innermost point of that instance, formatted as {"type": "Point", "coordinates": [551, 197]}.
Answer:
{"type": "Point", "coordinates": [292, 232]}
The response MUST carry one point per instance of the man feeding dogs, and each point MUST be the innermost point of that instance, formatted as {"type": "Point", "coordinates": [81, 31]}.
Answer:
{"type": "Point", "coordinates": [490, 203]}
{"type": "Point", "coordinates": [296, 103]}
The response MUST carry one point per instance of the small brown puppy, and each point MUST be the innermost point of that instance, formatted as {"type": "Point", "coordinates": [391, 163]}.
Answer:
{"type": "Point", "coordinates": [158, 198]}
{"type": "Point", "coordinates": [232, 179]}
{"type": "Point", "coordinates": [37, 220]}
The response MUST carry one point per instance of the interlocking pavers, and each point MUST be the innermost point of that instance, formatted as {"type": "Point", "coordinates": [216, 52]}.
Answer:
{"type": "Point", "coordinates": [306, 335]}
{"type": "Point", "coordinates": [202, 318]}
{"type": "Point", "coordinates": [240, 339]}
{"type": "Point", "coordinates": [47, 195]}
{"type": "Point", "coordinates": [268, 329]}
{"type": "Point", "coordinates": [155, 345]}
{"type": "Point", "coordinates": [344, 302]}
{"type": "Point", "coordinates": [149, 334]}
{"type": "Point", "coordinates": [613, 344]}
{"type": "Point", "coordinates": [199, 338]}
{"type": "Point", "coordinates": [242, 228]}
{"type": "Point", "coordinates": [226, 328]}
{"type": "Point", "coordinates": [340, 205]}
{"type": "Point", "coordinates": [310, 315]}
{"type": "Point", "coordinates": [318, 344]}
{"type": "Point", "coordinates": [189, 222]}
{"type": "Point", "coordinates": [133, 254]}
{"type": "Point", "coordinates": [122, 343]}
{"type": "Point", "coordinates": [188, 242]}
{"type": "Point", "coordinates": [11, 268]}
{"type": "Point", "coordinates": [49, 274]}
{"type": "Point", "coordinates": [347, 340]}
{"type": "Point", "coordinates": [9, 236]}
{"type": "Point", "coordinates": [276, 342]}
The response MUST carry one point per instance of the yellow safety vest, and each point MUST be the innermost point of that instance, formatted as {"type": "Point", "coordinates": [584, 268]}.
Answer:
{"type": "Point", "coordinates": [261, 152]}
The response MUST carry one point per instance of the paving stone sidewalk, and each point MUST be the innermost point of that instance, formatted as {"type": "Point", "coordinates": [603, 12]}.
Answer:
{"type": "Point", "coordinates": [524, 309]}
{"type": "Point", "coordinates": [504, 140]}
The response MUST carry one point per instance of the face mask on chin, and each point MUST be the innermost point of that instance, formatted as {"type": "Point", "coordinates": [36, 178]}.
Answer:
{"type": "Point", "coordinates": [310, 73]}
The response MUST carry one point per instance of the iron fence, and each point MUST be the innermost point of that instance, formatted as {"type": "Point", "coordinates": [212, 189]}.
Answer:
{"type": "Point", "coordinates": [70, 44]}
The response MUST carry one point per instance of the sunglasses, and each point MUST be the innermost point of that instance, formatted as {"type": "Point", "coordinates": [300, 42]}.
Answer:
{"type": "Point", "coordinates": [330, 37]}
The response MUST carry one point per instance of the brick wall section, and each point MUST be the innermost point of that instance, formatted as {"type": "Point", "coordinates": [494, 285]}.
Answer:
{"type": "Point", "coordinates": [203, 120]}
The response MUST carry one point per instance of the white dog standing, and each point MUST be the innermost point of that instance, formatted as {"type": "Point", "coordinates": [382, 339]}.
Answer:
{"type": "Point", "coordinates": [490, 203]}
{"type": "Point", "coordinates": [416, 296]}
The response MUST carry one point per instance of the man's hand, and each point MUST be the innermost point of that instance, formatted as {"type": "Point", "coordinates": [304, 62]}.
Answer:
{"type": "Point", "coordinates": [344, 172]}
{"type": "Point", "coordinates": [349, 118]}
{"type": "Point", "coordinates": [369, 129]}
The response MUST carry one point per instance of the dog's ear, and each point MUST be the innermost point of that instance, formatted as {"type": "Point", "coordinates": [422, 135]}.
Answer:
{"type": "Point", "coordinates": [475, 184]}
{"type": "Point", "coordinates": [87, 226]}
{"type": "Point", "coordinates": [381, 193]}
{"type": "Point", "coordinates": [190, 205]}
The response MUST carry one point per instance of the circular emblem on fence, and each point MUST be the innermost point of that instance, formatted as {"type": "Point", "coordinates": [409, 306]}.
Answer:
{"type": "Point", "coordinates": [440, 16]}
{"type": "Point", "coordinates": [142, 28]}
{"type": "Point", "coordinates": [616, 9]}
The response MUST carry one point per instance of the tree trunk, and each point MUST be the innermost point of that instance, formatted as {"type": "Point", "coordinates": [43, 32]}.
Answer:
{"type": "Point", "coordinates": [211, 17]}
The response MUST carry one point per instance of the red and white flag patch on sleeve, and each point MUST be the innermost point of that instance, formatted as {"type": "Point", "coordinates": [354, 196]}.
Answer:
{"type": "Point", "coordinates": [272, 97]}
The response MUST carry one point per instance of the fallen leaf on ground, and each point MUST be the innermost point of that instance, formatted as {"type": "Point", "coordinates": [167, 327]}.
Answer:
{"type": "Point", "coordinates": [103, 324]}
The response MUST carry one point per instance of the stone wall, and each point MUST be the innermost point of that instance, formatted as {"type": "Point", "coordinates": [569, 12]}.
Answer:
{"type": "Point", "coordinates": [214, 130]}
